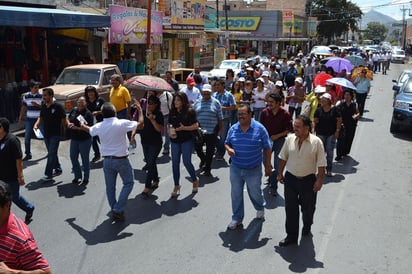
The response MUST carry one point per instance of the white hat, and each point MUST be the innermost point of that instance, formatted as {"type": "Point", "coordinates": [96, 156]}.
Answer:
{"type": "Point", "coordinates": [242, 79]}
{"type": "Point", "coordinates": [277, 66]}
{"type": "Point", "coordinates": [327, 96]}
{"type": "Point", "coordinates": [265, 73]}
{"type": "Point", "coordinates": [132, 54]}
{"type": "Point", "coordinates": [207, 87]}
{"type": "Point", "coordinates": [320, 89]}
{"type": "Point", "coordinates": [260, 79]}
{"type": "Point", "coordinates": [291, 63]}
{"type": "Point", "coordinates": [299, 80]}
{"type": "Point", "coordinates": [279, 83]}
{"type": "Point", "coordinates": [250, 69]}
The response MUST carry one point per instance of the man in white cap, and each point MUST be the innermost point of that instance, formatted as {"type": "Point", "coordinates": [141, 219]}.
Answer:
{"type": "Point", "coordinates": [269, 85]}
{"type": "Point", "coordinates": [209, 115]}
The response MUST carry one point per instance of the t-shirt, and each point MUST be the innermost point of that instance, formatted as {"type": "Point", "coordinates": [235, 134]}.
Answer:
{"type": "Point", "coordinates": [33, 111]}
{"type": "Point", "coordinates": [149, 135]}
{"type": "Point", "coordinates": [52, 119]}
{"type": "Point", "coordinates": [77, 134]}
{"type": "Point", "coordinates": [187, 119]}
{"type": "Point", "coordinates": [120, 98]}
{"type": "Point", "coordinates": [10, 151]}
{"type": "Point", "coordinates": [96, 105]}
{"type": "Point", "coordinates": [327, 121]}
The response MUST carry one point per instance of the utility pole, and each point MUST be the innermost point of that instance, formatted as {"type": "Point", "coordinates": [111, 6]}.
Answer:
{"type": "Point", "coordinates": [403, 9]}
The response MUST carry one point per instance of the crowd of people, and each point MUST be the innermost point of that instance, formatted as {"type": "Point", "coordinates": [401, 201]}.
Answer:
{"type": "Point", "coordinates": [244, 115]}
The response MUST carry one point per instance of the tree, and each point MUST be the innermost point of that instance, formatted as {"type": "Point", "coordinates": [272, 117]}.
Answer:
{"type": "Point", "coordinates": [335, 17]}
{"type": "Point", "coordinates": [375, 31]}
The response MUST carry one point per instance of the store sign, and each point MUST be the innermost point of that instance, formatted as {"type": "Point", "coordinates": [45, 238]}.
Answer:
{"type": "Point", "coordinates": [184, 14]}
{"type": "Point", "coordinates": [240, 23]}
{"type": "Point", "coordinates": [129, 26]}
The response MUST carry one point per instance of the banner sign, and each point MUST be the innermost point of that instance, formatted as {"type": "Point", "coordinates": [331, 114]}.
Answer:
{"type": "Point", "coordinates": [288, 24]}
{"type": "Point", "coordinates": [242, 23]}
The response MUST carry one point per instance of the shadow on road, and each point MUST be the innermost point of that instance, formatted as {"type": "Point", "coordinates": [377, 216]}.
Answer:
{"type": "Point", "coordinates": [106, 232]}
{"type": "Point", "coordinates": [272, 202]}
{"type": "Point", "coordinates": [71, 190]}
{"type": "Point", "coordinates": [42, 184]}
{"type": "Point", "coordinates": [300, 257]}
{"type": "Point", "coordinates": [33, 162]}
{"type": "Point", "coordinates": [404, 135]}
{"type": "Point", "coordinates": [240, 238]}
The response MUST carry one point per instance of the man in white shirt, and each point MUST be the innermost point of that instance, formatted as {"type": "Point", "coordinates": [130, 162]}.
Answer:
{"type": "Point", "coordinates": [166, 99]}
{"type": "Point", "coordinates": [192, 92]}
{"type": "Point", "coordinates": [112, 133]}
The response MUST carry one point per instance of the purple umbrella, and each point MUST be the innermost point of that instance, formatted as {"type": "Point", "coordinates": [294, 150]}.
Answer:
{"type": "Point", "coordinates": [338, 64]}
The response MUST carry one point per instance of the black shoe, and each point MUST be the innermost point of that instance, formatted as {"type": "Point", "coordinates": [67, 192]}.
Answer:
{"type": "Point", "coordinates": [145, 195]}
{"type": "Point", "coordinates": [287, 241]}
{"type": "Point", "coordinates": [201, 164]}
{"type": "Point", "coordinates": [338, 158]}
{"type": "Point", "coordinates": [28, 216]}
{"type": "Point", "coordinates": [57, 172]}
{"type": "Point", "coordinates": [207, 173]}
{"type": "Point", "coordinates": [27, 157]}
{"type": "Point", "coordinates": [273, 191]}
{"type": "Point", "coordinates": [144, 167]}
{"type": "Point", "coordinates": [95, 159]}
{"type": "Point", "coordinates": [76, 181]}
{"type": "Point", "coordinates": [306, 231]}
{"type": "Point", "coordinates": [118, 216]}
{"type": "Point", "coordinates": [85, 182]}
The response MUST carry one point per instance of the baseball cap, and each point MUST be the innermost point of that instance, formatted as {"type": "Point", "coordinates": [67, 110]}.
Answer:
{"type": "Point", "coordinates": [242, 79]}
{"type": "Point", "coordinates": [327, 96]}
{"type": "Point", "coordinates": [207, 87]}
{"type": "Point", "coordinates": [279, 83]}
{"type": "Point", "coordinates": [320, 89]}
{"type": "Point", "coordinates": [190, 81]}
{"type": "Point", "coordinates": [260, 79]}
{"type": "Point", "coordinates": [265, 73]}
{"type": "Point", "coordinates": [299, 80]}
{"type": "Point", "coordinates": [292, 63]}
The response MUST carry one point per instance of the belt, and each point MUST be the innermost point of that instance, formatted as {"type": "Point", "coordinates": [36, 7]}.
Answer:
{"type": "Point", "coordinates": [115, 157]}
{"type": "Point", "coordinates": [302, 177]}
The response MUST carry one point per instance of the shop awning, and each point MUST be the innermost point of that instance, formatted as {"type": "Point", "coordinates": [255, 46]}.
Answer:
{"type": "Point", "coordinates": [50, 18]}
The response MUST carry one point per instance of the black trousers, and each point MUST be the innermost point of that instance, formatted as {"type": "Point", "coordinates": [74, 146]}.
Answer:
{"type": "Point", "coordinates": [344, 143]}
{"type": "Point", "coordinates": [206, 158]}
{"type": "Point", "coordinates": [361, 100]}
{"type": "Point", "coordinates": [299, 191]}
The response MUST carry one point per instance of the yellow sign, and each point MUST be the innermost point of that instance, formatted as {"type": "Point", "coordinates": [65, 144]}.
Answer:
{"type": "Point", "coordinates": [240, 23]}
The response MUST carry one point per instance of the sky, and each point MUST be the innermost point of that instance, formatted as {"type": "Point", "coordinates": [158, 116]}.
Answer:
{"type": "Point", "coordinates": [391, 8]}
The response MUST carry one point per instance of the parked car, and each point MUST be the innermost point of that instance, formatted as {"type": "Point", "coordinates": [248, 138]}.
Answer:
{"type": "Point", "coordinates": [398, 56]}
{"type": "Point", "coordinates": [403, 77]}
{"type": "Point", "coordinates": [402, 108]}
{"type": "Point", "coordinates": [72, 81]}
{"type": "Point", "coordinates": [220, 69]}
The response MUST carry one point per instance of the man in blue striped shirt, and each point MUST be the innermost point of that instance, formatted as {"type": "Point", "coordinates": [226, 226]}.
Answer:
{"type": "Point", "coordinates": [31, 106]}
{"type": "Point", "coordinates": [209, 115]}
{"type": "Point", "coordinates": [246, 142]}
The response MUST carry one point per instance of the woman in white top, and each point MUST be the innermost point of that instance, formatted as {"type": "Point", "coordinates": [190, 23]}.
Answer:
{"type": "Point", "coordinates": [259, 97]}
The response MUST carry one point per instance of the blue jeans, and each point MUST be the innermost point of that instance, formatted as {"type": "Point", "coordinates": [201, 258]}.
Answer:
{"type": "Point", "coordinates": [329, 143]}
{"type": "Point", "coordinates": [185, 150]}
{"type": "Point", "coordinates": [167, 138]}
{"type": "Point", "coordinates": [253, 179]}
{"type": "Point", "coordinates": [112, 167]}
{"type": "Point", "coordinates": [81, 147]}
{"type": "Point", "coordinates": [276, 147]}
{"type": "Point", "coordinates": [28, 133]}
{"type": "Point", "coordinates": [150, 154]}
{"type": "Point", "coordinates": [19, 200]}
{"type": "Point", "coordinates": [52, 145]}
{"type": "Point", "coordinates": [221, 142]}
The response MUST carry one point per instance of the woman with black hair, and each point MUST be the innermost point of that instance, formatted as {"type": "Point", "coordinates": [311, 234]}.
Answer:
{"type": "Point", "coordinates": [182, 122]}
{"type": "Point", "coordinates": [94, 104]}
{"type": "Point", "coordinates": [151, 140]}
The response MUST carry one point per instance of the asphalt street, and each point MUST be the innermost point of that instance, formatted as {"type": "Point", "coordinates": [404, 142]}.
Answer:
{"type": "Point", "coordinates": [362, 222]}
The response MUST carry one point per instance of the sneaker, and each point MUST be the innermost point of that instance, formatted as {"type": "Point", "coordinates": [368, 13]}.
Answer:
{"type": "Point", "coordinates": [46, 178]}
{"type": "Point", "coordinates": [76, 181]}
{"type": "Point", "coordinates": [57, 172]}
{"type": "Point", "coordinates": [27, 157]}
{"type": "Point", "coordinates": [118, 216]}
{"type": "Point", "coordinates": [165, 152]}
{"type": "Point", "coordinates": [273, 191]}
{"type": "Point", "coordinates": [85, 181]}
{"type": "Point", "coordinates": [207, 173]}
{"type": "Point", "coordinates": [260, 214]}
{"type": "Point", "coordinates": [95, 159]}
{"type": "Point", "coordinates": [234, 224]}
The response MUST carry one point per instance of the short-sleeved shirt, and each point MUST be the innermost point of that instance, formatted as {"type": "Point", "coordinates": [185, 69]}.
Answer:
{"type": "Point", "coordinates": [327, 121]}
{"type": "Point", "coordinates": [52, 119]}
{"type": "Point", "coordinates": [120, 98]}
{"type": "Point", "coordinates": [305, 160]}
{"type": "Point", "coordinates": [276, 123]}
{"type": "Point", "coordinates": [225, 99]}
{"type": "Point", "coordinates": [249, 145]}
{"type": "Point", "coordinates": [149, 135]}
{"type": "Point", "coordinates": [258, 95]}
{"type": "Point", "coordinates": [10, 151]}
{"type": "Point", "coordinates": [112, 133]}
{"type": "Point", "coordinates": [18, 249]}
{"type": "Point", "coordinates": [192, 95]}
{"type": "Point", "coordinates": [362, 84]}
{"type": "Point", "coordinates": [77, 134]}
{"type": "Point", "coordinates": [33, 112]}
{"type": "Point", "coordinates": [187, 119]}
{"type": "Point", "coordinates": [209, 113]}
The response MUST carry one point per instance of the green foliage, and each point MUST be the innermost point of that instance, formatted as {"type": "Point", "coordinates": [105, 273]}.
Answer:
{"type": "Point", "coordinates": [335, 17]}
{"type": "Point", "coordinates": [375, 31]}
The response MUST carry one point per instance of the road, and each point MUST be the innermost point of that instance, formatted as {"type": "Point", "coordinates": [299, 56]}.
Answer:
{"type": "Point", "coordinates": [362, 223]}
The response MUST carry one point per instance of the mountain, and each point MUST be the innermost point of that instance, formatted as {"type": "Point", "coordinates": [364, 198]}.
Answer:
{"type": "Point", "coordinates": [374, 16]}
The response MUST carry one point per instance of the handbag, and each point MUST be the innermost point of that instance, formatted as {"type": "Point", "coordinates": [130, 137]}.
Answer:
{"type": "Point", "coordinates": [198, 136]}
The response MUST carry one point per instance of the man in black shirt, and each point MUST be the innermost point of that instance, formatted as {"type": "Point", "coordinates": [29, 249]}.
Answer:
{"type": "Point", "coordinates": [11, 163]}
{"type": "Point", "coordinates": [53, 117]}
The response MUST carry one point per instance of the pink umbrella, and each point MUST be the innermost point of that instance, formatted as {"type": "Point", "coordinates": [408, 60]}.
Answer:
{"type": "Point", "coordinates": [144, 83]}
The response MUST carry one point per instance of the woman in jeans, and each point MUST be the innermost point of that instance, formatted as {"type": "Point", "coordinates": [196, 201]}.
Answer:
{"type": "Point", "coordinates": [182, 122]}
{"type": "Point", "coordinates": [151, 139]}
{"type": "Point", "coordinates": [327, 124]}
{"type": "Point", "coordinates": [81, 141]}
